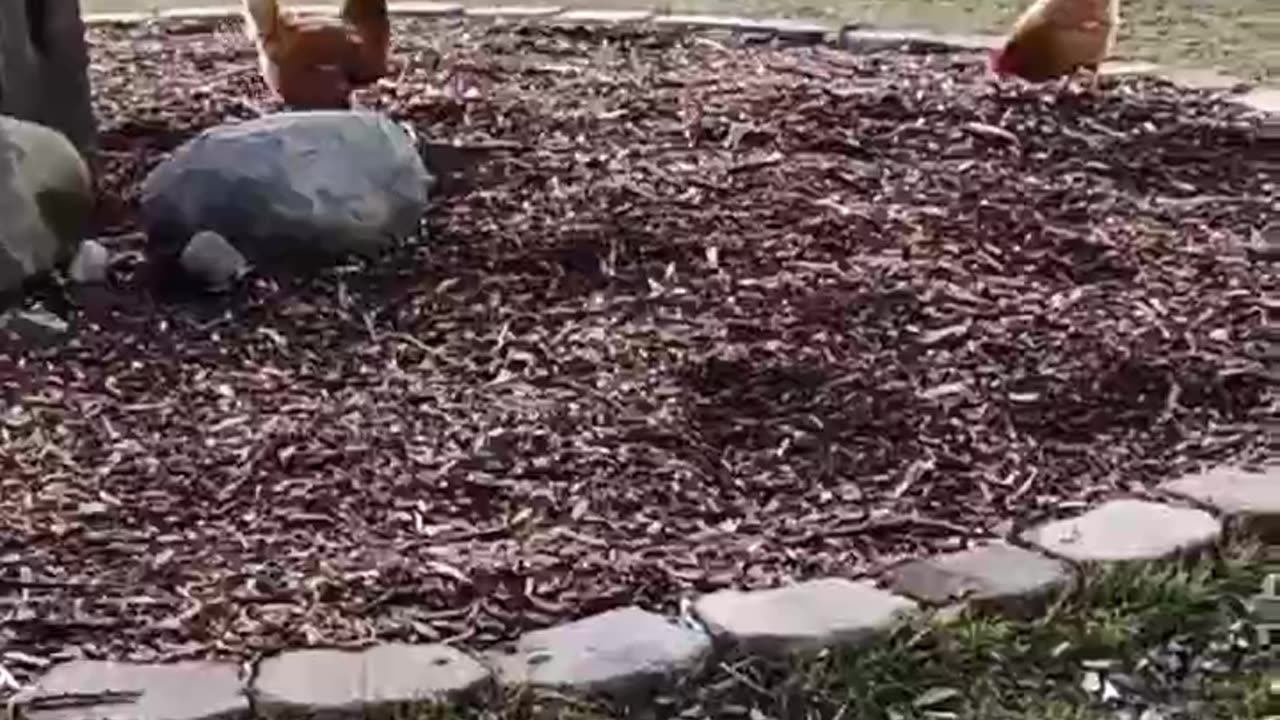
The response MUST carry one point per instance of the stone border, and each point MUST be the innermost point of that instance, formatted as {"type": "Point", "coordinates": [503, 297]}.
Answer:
{"type": "Point", "coordinates": [629, 650]}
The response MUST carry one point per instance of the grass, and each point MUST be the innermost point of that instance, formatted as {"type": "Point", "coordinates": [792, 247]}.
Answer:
{"type": "Point", "coordinates": [1236, 36]}
{"type": "Point", "coordinates": [1122, 628]}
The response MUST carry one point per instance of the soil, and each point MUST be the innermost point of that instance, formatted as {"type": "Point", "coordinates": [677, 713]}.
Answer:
{"type": "Point", "coordinates": [724, 315]}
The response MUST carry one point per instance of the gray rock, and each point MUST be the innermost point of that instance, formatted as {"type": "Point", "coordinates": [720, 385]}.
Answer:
{"type": "Point", "coordinates": [45, 200]}
{"type": "Point", "coordinates": [90, 264]}
{"type": "Point", "coordinates": [215, 262]}
{"type": "Point", "coordinates": [357, 682]}
{"type": "Point", "coordinates": [292, 190]}
{"type": "Point", "coordinates": [180, 691]}
{"type": "Point", "coordinates": [994, 576]}
{"type": "Point", "coordinates": [1127, 530]}
{"type": "Point", "coordinates": [808, 616]}
{"type": "Point", "coordinates": [1253, 495]}
{"type": "Point", "coordinates": [619, 652]}
{"type": "Point", "coordinates": [37, 327]}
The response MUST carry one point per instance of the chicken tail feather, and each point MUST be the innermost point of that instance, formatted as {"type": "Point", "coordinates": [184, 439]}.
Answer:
{"type": "Point", "coordinates": [262, 17]}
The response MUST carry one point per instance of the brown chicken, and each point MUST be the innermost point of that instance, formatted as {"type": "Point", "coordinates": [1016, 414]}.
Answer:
{"type": "Point", "coordinates": [1057, 38]}
{"type": "Point", "coordinates": [313, 63]}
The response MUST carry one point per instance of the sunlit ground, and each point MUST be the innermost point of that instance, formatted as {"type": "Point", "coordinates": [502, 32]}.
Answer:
{"type": "Point", "coordinates": [1241, 36]}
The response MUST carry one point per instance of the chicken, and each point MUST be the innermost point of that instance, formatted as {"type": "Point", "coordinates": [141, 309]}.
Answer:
{"type": "Point", "coordinates": [313, 63]}
{"type": "Point", "coordinates": [1056, 38]}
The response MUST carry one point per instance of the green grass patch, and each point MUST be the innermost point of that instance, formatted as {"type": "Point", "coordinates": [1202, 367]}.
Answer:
{"type": "Point", "coordinates": [1174, 637]}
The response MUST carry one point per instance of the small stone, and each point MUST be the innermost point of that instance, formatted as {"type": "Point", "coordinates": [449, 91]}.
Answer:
{"type": "Point", "coordinates": [618, 652]}
{"type": "Point", "coordinates": [213, 260]}
{"type": "Point", "coordinates": [807, 616]}
{"type": "Point", "coordinates": [1252, 495]}
{"type": "Point", "coordinates": [358, 682]}
{"type": "Point", "coordinates": [602, 17]}
{"type": "Point", "coordinates": [1127, 530]}
{"type": "Point", "coordinates": [995, 575]}
{"type": "Point", "coordinates": [90, 264]}
{"type": "Point", "coordinates": [178, 691]}
{"type": "Point", "coordinates": [37, 327]}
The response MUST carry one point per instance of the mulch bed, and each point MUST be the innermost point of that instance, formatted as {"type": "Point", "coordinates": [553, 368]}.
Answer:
{"type": "Point", "coordinates": [727, 316]}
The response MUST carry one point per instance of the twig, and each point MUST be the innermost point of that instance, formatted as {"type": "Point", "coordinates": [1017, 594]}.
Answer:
{"type": "Point", "coordinates": [75, 700]}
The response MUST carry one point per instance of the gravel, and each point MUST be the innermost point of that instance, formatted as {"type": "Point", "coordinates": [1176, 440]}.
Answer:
{"type": "Point", "coordinates": [720, 317]}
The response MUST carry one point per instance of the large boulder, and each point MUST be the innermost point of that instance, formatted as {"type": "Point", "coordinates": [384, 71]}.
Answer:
{"type": "Point", "coordinates": [46, 197]}
{"type": "Point", "coordinates": [290, 190]}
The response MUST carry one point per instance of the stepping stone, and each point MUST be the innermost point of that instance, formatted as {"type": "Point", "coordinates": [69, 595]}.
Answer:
{"type": "Point", "coordinates": [200, 13]}
{"type": "Point", "coordinates": [808, 616]}
{"type": "Point", "coordinates": [868, 41]}
{"type": "Point", "coordinates": [793, 30]}
{"type": "Point", "coordinates": [1202, 79]}
{"type": "Point", "coordinates": [620, 652]}
{"type": "Point", "coordinates": [118, 18]}
{"type": "Point", "coordinates": [1127, 530]}
{"type": "Point", "coordinates": [1265, 100]}
{"type": "Point", "coordinates": [995, 576]}
{"type": "Point", "coordinates": [424, 9]}
{"type": "Point", "coordinates": [602, 17]}
{"type": "Point", "coordinates": [314, 10]}
{"type": "Point", "coordinates": [1254, 496]}
{"type": "Point", "coordinates": [500, 12]}
{"type": "Point", "coordinates": [357, 682]}
{"type": "Point", "coordinates": [707, 22]}
{"type": "Point", "coordinates": [128, 691]}
{"type": "Point", "coordinates": [1121, 68]}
